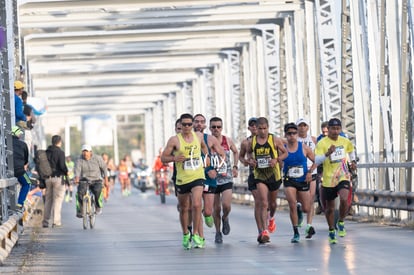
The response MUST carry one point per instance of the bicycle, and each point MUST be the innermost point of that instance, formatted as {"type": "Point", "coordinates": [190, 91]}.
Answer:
{"type": "Point", "coordinates": [88, 207]}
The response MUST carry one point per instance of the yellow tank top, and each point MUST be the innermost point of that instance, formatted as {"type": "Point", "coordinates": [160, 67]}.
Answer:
{"type": "Point", "coordinates": [263, 154]}
{"type": "Point", "coordinates": [192, 168]}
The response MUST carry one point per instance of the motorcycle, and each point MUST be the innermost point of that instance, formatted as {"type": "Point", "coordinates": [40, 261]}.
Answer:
{"type": "Point", "coordinates": [141, 178]}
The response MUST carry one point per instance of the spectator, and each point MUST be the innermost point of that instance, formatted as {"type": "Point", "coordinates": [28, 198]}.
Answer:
{"type": "Point", "coordinates": [55, 189]}
{"type": "Point", "coordinates": [20, 162]}
{"type": "Point", "coordinates": [21, 118]}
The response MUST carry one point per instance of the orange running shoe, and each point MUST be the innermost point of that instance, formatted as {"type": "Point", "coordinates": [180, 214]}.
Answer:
{"type": "Point", "coordinates": [272, 225]}
{"type": "Point", "coordinates": [264, 237]}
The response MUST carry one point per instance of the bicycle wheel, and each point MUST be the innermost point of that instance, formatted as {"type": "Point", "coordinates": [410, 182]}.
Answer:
{"type": "Point", "coordinates": [92, 213]}
{"type": "Point", "coordinates": [162, 191]}
{"type": "Point", "coordinates": [85, 212]}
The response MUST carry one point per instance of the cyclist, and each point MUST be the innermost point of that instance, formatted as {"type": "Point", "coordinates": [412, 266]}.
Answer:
{"type": "Point", "coordinates": [92, 168]}
{"type": "Point", "coordinates": [156, 169]}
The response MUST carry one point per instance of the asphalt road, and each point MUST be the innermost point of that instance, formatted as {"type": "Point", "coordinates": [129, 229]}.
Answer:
{"type": "Point", "coordinates": [139, 235]}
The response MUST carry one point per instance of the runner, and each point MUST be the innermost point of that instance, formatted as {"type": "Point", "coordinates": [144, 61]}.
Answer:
{"type": "Point", "coordinates": [297, 176]}
{"type": "Point", "coordinates": [225, 175]}
{"type": "Point", "coordinates": [266, 152]}
{"type": "Point", "coordinates": [334, 151]}
{"type": "Point", "coordinates": [305, 138]}
{"type": "Point", "coordinates": [210, 171]}
{"type": "Point", "coordinates": [185, 150]}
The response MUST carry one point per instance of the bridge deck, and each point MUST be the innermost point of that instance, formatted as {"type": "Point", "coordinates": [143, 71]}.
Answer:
{"type": "Point", "coordinates": [138, 235]}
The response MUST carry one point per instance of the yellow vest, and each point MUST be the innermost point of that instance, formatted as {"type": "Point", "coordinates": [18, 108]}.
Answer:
{"type": "Point", "coordinates": [192, 168]}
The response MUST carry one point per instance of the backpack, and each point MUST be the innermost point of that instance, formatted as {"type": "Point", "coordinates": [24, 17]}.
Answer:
{"type": "Point", "coordinates": [42, 163]}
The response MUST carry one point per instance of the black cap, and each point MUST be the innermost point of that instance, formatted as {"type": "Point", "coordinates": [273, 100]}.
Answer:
{"type": "Point", "coordinates": [290, 125]}
{"type": "Point", "coordinates": [334, 122]}
{"type": "Point", "coordinates": [252, 120]}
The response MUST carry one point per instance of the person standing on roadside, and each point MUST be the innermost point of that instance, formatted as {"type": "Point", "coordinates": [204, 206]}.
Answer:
{"type": "Point", "coordinates": [20, 163]}
{"type": "Point", "coordinates": [55, 187]}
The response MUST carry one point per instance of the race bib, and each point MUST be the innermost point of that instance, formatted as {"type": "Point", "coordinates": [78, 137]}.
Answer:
{"type": "Point", "coordinates": [263, 162]}
{"type": "Point", "coordinates": [222, 169]}
{"type": "Point", "coordinates": [338, 155]}
{"type": "Point", "coordinates": [191, 164]}
{"type": "Point", "coordinates": [295, 172]}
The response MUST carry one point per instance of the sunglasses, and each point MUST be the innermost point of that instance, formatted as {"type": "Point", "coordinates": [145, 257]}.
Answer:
{"type": "Point", "coordinates": [216, 127]}
{"type": "Point", "coordinates": [291, 133]}
{"type": "Point", "coordinates": [187, 124]}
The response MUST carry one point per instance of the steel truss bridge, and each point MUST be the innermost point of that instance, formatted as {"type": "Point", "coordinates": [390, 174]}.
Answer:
{"type": "Point", "coordinates": [282, 59]}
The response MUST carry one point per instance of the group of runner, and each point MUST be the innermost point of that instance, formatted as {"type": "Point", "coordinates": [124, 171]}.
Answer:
{"type": "Point", "coordinates": [205, 166]}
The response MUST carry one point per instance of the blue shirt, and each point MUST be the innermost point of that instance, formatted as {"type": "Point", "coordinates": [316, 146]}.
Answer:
{"type": "Point", "coordinates": [18, 108]}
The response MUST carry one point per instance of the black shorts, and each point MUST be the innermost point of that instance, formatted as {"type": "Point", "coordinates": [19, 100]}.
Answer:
{"type": "Point", "coordinates": [208, 189]}
{"type": "Point", "coordinates": [300, 186]}
{"type": "Point", "coordinates": [251, 185]}
{"type": "Point", "coordinates": [330, 193]}
{"type": "Point", "coordinates": [222, 188]}
{"type": "Point", "coordinates": [272, 184]}
{"type": "Point", "coordinates": [186, 188]}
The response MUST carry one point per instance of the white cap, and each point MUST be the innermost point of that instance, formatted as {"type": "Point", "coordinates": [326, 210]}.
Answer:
{"type": "Point", "coordinates": [86, 147]}
{"type": "Point", "coordinates": [302, 120]}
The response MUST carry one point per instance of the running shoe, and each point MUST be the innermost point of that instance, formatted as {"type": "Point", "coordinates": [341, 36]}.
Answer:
{"type": "Point", "coordinates": [198, 241]}
{"type": "Point", "coordinates": [98, 210]}
{"type": "Point", "coordinates": [218, 238]}
{"type": "Point", "coordinates": [272, 225]}
{"type": "Point", "coordinates": [226, 226]}
{"type": "Point", "coordinates": [187, 241]}
{"type": "Point", "coordinates": [264, 237]}
{"type": "Point", "coordinates": [341, 229]}
{"type": "Point", "coordinates": [209, 221]}
{"type": "Point", "coordinates": [67, 198]}
{"type": "Point", "coordinates": [300, 213]}
{"type": "Point", "coordinates": [310, 231]}
{"type": "Point", "coordinates": [296, 238]}
{"type": "Point", "coordinates": [190, 229]}
{"type": "Point", "coordinates": [332, 237]}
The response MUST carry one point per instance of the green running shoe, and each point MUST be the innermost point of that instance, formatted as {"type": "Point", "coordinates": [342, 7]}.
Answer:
{"type": "Point", "coordinates": [341, 229]}
{"type": "Point", "coordinates": [187, 241]}
{"type": "Point", "coordinates": [332, 237]}
{"type": "Point", "coordinates": [295, 238]}
{"type": "Point", "coordinates": [198, 241]}
{"type": "Point", "coordinates": [310, 231]}
{"type": "Point", "coordinates": [209, 221]}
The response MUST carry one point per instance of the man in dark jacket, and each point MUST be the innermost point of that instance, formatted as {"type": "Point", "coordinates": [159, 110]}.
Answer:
{"type": "Point", "coordinates": [20, 161]}
{"type": "Point", "coordinates": [55, 188]}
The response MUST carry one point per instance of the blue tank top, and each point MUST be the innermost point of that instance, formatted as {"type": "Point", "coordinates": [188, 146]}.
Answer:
{"type": "Point", "coordinates": [295, 165]}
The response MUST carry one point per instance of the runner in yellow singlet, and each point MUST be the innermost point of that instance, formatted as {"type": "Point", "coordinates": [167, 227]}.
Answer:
{"type": "Point", "coordinates": [334, 151]}
{"type": "Point", "coordinates": [185, 150]}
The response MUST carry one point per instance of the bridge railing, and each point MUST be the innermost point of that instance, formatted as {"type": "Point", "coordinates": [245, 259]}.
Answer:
{"type": "Point", "coordinates": [374, 198]}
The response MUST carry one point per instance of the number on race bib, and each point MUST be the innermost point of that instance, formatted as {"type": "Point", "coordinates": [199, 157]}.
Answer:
{"type": "Point", "coordinates": [295, 172]}
{"type": "Point", "coordinates": [338, 155]}
{"type": "Point", "coordinates": [191, 164]}
{"type": "Point", "coordinates": [263, 162]}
